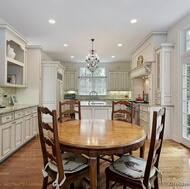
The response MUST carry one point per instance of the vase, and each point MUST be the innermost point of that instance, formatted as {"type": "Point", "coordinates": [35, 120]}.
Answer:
{"type": "Point", "coordinates": [10, 52]}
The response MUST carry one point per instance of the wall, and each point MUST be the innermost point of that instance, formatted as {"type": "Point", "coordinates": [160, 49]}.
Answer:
{"type": "Point", "coordinates": [173, 37]}
{"type": "Point", "coordinates": [123, 66]}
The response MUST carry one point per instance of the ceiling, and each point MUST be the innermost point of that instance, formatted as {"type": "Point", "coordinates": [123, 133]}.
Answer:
{"type": "Point", "coordinates": [78, 21]}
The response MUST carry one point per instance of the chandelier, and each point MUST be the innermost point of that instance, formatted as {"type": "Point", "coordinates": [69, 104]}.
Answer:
{"type": "Point", "coordinates": [92, 59]}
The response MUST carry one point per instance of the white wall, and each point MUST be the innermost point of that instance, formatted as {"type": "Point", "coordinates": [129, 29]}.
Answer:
{"type": "Point", "coordinates": [109, 66]}
{"type": "Point", "coordinates": [174, 37]}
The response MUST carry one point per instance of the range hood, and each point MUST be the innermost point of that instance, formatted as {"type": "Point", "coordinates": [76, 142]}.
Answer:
{"type": "Point", "coordinates": [143, 70]}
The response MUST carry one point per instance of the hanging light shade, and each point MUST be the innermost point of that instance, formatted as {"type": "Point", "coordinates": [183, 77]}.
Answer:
{"type": "Point", "coordinates": [92, 59]}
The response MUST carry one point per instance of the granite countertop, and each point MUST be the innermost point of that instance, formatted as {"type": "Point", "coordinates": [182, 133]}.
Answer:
{"type": "Point", "coordinates": [12, 108]}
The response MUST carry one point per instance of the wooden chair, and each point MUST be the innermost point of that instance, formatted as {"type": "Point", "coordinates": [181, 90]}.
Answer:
{"type": "Point", "coordinates": [135, 172]}
{"type": "Point", "coordinates": [122, 110]}
{"type": "Point", "coordinates": [63, 169]}
{"type": "Point", "coordinates": [69, 110]}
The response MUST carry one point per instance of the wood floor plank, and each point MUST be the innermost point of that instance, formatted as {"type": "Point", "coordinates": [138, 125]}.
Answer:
{"type": "Point", "coordinates": [23, 169]}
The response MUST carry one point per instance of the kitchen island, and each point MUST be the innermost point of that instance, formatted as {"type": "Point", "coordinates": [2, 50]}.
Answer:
{"type": "Point", "coordinates": [96, 109]}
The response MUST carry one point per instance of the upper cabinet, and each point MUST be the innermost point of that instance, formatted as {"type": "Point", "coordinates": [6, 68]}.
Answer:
{"type": "Point", "coordinates": [163, 92]}
{"type": "Point", "coordinates": [70, 81]}
{"type": "Point", "coordinates": [119, 81]}
{"type": "Point", "coordinates": [12, 58]}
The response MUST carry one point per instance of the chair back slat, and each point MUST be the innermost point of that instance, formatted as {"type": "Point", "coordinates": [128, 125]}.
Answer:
{"type": "Point", "coordinates": [155, 143]}
{"type": "Point", "coordinates": [71, 108]}
{"type": "Point", "coordinates": [122, 110]}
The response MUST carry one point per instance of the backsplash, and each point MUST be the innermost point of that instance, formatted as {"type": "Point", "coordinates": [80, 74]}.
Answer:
{"type": "Point", "coordinates": [5, 95]}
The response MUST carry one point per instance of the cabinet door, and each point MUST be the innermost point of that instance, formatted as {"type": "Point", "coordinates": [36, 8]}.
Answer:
{"type": "Point", "coordinates": [70, 80]}
{"type": "Point", "coordinates": [7, 139]}
{"type": "Point", "coordinates": [27, 128]}
{"type": "Point", "coordinates": [111, 81]}
{"type": "Point", "coordinates": [86, 113]}
{"type": "Point", "coordinates": [34, 124]}
{"type": "Point", "coordinates": [18, 129]}
{"type": "Point", "coordinates": [102, 113]}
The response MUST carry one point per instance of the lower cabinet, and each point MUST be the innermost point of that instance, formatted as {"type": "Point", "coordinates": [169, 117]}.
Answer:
{"type": "Point", "coordinates": [96, 112]}
{"type": "Point", "coordinates": [17, 128]}
{"type": "Point", "coordinates": [146, 115]}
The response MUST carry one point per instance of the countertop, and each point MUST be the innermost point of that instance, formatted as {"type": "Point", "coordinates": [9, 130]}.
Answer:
{"type": "Point", "coordinates": [8, 109]}
{"type": "Point", "coordinates": [99, 103]}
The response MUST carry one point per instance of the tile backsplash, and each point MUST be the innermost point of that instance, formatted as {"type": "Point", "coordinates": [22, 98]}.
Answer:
{"type": "Point", "coordinates": [5, 95]}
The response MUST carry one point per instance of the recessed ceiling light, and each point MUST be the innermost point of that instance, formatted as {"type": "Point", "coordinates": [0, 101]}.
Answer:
{"type": "Point", "coordinates": [113, 56]}
{"type": "Point", "coordinates": [72, 56]}
{"type": "Point", "coordinates": [65, 45]}
{"type": "Point", "coordinates": [119, 45]}
{"type": "Point", "coordinates": [51, 21]}
{"type": "Point", "coordinates": [133, 21]}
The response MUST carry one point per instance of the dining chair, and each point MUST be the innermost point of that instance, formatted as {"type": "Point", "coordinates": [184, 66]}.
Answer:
{"type": "Point", "coordinates": [69, 110]}
{"type": "Point", "coordinates": [122, 110]}
{"type": "Point", "coordinates": [59, 169]}
{"type": "Point", "coordinates": [136, 172]}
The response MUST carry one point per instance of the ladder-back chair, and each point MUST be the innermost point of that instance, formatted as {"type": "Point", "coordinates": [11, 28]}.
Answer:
{"type": "Point", "coordinates": [135, 172]}
{"type": "Point", "coordinates": [62, 168]}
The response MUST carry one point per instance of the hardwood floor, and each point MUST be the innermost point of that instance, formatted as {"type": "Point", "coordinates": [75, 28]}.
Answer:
{"type": "Point", "coordinates": [23, 169]}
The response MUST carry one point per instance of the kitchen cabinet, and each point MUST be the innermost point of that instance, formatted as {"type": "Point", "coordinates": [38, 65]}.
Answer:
{"type": "Point", "coordinates": [33, 90]}
{"type": "Point", "coordinates": [17, 128]}
{"type": "Point", "coordinates": [13, 58]}
{"type": "Point", "coordinates": [70, 81]}
{"type": "Point", "coordinates": [146, 114]}
{"type": "Point", "coordinates": [119, 81]}
{"type": "Point", "coordinates": [52, 85]}
{"type": "Point", "coordinates": [95, 112]}
{"type": "Point", "coordinates": [163, 92]}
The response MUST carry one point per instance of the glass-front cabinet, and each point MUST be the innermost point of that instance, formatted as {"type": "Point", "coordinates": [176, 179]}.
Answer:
{"type": "Point", "coordinates": [12, 58]}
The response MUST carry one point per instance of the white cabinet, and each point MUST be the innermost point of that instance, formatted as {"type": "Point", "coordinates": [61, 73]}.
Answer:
{"type": "Point", "coordinates": [119, 81]}
{"type": "Point", "coordinates": [52, 85]}
{"type": "Point", "coordinates": [95, 112]}
{"type": "Point", "coordinates": [146, 114]}
{"type": "Point", "coordinates": [33, 90]}
{"type": "Point", "coordinates": [18, 132]}
{"type": "Point", "coordinates": [163, 93]}
{"type": "Point", "coordinates": [17, 128]}
{"type": "Point", "coordinates": [13, 65]}
{"type": "Point", "coordinates": [70, 81]}
{"type": "Point", "coordinates": [7, 139]}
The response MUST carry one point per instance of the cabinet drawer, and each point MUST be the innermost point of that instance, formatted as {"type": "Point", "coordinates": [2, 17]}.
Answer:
{"type": "Point", "coordinates": [144, 108]}
{"type": "Point", "coordinates": [27, 111]}
{"type": "Point", "coordinates": [34, 110]}
{"type": "Point", "coordinates": [144, 116]}
{"type": "Point", "coordinates": [7, 118]}
{"type": "Point", "coordinates": [18, 114]}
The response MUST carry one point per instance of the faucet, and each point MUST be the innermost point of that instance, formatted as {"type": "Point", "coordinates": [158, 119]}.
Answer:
{"type": "Point", "coordinates": [92, 96]}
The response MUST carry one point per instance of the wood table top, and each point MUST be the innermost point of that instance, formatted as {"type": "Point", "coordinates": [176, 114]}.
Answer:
{"type": "Point", "coordinates": [99, 133]}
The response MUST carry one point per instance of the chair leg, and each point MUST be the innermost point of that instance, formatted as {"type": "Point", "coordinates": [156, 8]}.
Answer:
{"type": "Point", "coordinates": [45, 182]}
{"type": "Point", "coordinates": [156, 183]}
{"type": "Point", "coordinates": [107, 183]}
{"type": "Point", "coordinates": [72, 185]}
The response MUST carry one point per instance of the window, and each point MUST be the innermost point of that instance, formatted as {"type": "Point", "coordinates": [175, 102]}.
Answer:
{"type": "Point", "coordinates": [92, 82]}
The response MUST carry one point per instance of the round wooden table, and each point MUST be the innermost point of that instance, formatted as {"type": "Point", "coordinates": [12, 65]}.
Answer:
{"type": "Point", "coordinates": [100, 137]}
